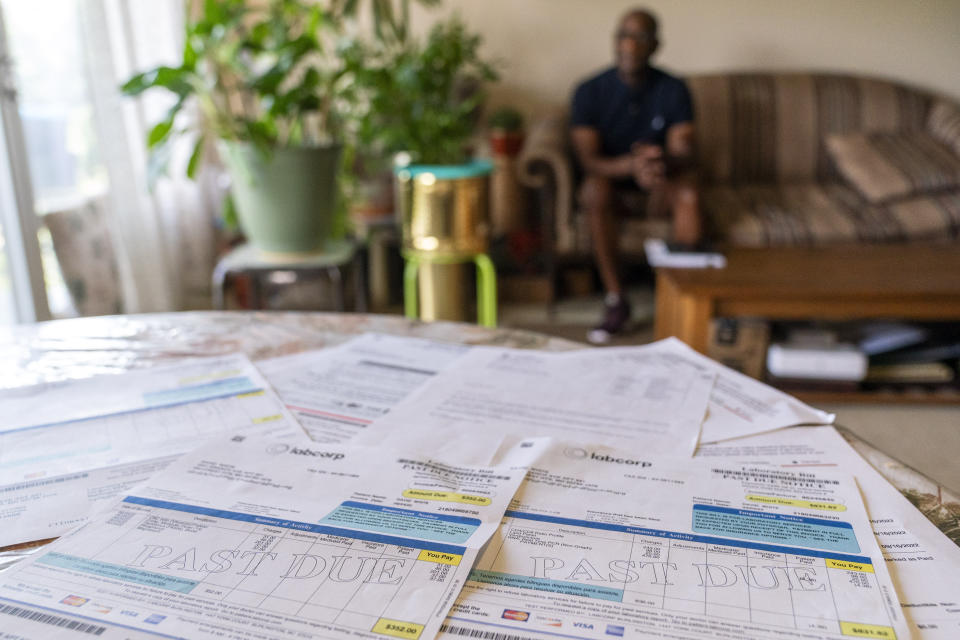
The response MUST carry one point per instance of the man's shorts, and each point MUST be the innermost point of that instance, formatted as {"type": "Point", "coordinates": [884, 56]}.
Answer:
{"type": "Point", "coordinates": [633, 201]}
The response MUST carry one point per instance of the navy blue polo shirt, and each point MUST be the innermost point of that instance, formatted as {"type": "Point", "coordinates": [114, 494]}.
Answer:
{"type": "Point", "coordinates": [624, 115]}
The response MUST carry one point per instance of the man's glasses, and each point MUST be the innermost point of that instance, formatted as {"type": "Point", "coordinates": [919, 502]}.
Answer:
{"type": "Point", "coordinates": [640, 37]}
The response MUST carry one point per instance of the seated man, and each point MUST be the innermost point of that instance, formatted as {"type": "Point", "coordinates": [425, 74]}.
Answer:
{"type": "Point", "coordinates": [632, 128]}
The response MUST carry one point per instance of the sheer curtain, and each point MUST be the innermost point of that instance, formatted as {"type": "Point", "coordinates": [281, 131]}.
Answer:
{"type": "Point", "coordinates": [81, 222]}
{"type": "Point", "coordinates": [164, 233]}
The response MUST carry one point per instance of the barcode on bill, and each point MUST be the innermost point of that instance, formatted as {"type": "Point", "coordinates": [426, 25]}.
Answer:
{"type": "Point", "coordinates": [480, 633]}
{"type": "Point", "coordinates": [57, 621]}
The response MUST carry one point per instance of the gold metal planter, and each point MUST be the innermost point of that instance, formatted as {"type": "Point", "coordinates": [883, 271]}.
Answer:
{"type": "Point", "coordinates": [445, 221]}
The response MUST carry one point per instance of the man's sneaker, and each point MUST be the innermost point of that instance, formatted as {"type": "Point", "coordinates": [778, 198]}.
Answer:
{"type": "Point", "coordinates": [616, 319]}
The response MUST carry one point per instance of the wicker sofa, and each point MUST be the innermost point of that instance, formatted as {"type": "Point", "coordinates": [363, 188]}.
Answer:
{"type": "Point", "coordinates": [767, 177]}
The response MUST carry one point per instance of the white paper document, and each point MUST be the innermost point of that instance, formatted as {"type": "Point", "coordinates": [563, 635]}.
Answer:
{"type": "Point", "coordinates": [53, 473]}
{"type": "Point", "coordinates": [48, 507]}
{"type": "Point", "coordinates": [490, 393]}
{"type": "Point", "coordinates": [336, 392]}
{"type": "Point", "coordinates": [739, 405]}
{"type": "Point", "coordinates": [922, 561]}
{"type": "Point", "coordinates": [161, 386]}
{"type": "Point", "coordinates": [601, 545]}
{"type": "Point", "coordinates": [253, 539]}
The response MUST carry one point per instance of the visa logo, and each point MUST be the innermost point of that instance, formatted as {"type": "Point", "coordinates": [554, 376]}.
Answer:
{"type": "Point", "coordinates": [583, 625]}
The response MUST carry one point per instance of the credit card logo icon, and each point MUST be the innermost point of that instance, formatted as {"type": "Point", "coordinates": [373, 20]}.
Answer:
{"type": "Point", "coordinates": [519, 616]}
{"type": "Point", "coordinates": [615, 630]}
{"type": "Point", "coordinates": [75, 601]}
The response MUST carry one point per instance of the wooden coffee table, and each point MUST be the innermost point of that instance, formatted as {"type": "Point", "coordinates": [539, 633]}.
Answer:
{"type": "Point", "coordinates": [916, 282]}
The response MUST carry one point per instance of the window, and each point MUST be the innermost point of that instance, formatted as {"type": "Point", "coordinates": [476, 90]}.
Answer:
{"type": "Point", "coordinates": [7, 306]}
{"type": "Point", "coordinates": [45, 45]}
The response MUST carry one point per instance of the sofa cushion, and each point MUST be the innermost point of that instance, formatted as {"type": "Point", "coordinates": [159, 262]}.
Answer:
{"type": "Point", "coordinates": [770, 127]}
{"type": "Point", "coordinates": [944, 124]}
{"type": "Point", "coordinates": [814, 214]}
{"type": "Point", "coordinates": [84, 249]}
{"type": "Point", "coordinates": [887, 166]}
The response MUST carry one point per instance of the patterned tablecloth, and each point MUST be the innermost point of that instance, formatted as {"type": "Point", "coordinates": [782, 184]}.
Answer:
{"type": "Point", "coordinates": [68, 349]}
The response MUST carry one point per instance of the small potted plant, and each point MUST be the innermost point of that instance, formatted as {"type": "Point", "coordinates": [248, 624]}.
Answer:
{"type": "Point", "coordinates": [424, 105]}
{"type": "Point", "coordinates": [507, 203]}
{"type": "Point", "coordinates": [271, 87]}
{"type": "Point", "coordinates": [506, 131]}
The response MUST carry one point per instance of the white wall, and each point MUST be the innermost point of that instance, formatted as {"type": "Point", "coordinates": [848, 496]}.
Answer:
{"type": "Point", "coordinates": [547, 45]}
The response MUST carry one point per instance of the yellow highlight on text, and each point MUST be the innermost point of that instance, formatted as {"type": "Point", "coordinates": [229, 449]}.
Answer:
{"type": "Point", "coordinates": [793, 502]}
{"type": "Point", "coordinates": [262, 419]}
{"type": "Point", "coordinates": [446, 496]}
{"type": "Point", "coordinates": [438, 557]}
{"type": "Point", "coordinates": [398, 628]}
{"type": "Point", "coordinates": [849, 566]}
{"type": "Point", "coordinates": [860, 630]}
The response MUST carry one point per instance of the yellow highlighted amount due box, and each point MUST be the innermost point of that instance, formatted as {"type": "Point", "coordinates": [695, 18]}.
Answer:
{"type": "Point", "coordinates": [859, 630]}
{"type": "Point", "coordinates": [439, 557]}
{"type": "Point", "coordinates": [794, 502]}
{"type": "Point", "coordinates": [446, 496]}
{"type": "Point", "coordinates": [862, 567]}
{"type": "Point", "coordinates": [263, 419]}
{"type": "Point", "coordinates": [849, 566]}
{"type": "Point", "coordinates": [398, 628]}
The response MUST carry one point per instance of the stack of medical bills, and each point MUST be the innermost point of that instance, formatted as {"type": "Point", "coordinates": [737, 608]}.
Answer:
{"type": "Point", "coordinates": [397, 487]}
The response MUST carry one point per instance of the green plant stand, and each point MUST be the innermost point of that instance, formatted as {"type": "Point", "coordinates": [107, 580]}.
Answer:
{"type": "Point", "coordinates": [486, 283]}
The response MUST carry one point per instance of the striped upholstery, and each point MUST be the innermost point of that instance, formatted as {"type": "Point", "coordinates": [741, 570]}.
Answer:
{"type": "Point", "coordinates": [769, 127]}
{"type": "Point", "coordinates": [767, 175]}
{"type": "Point", "coordinates": [887, 166]}
{"type": "Point", "coordinates": [944, 125]}
{"type": "Point", "coordinates": [769, 179]}
{"type": "Point", "coordinates": [821, 213]}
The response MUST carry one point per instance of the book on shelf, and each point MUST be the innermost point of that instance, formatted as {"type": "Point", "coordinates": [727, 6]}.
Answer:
{"type": "Point", "coordinates": [911, 373]}
{"type": "Point", "coordinates": [800, 385]}
{"type": "Point", "coordinates": [837, 362]}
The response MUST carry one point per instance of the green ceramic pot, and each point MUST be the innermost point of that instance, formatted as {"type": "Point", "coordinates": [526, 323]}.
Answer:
{"type": "Point", "coordinates": [286, 200]}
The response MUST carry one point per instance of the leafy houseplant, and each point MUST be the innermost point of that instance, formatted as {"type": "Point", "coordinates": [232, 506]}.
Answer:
{"type": "Point", "coordinates": [270, 85]}
{"type": "Point", "coordinates": [424, 98]}
{"type": "Point", "coordinates": [368, 177]}
{"type": "Point", "coordinates": [391, 18]}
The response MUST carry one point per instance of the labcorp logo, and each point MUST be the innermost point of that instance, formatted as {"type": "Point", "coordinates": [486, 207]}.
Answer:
{"type": "Point", "coordinates": [577, 453]}
{"type": "Point", "coordinates": [278, 448]}
{"type": "Point", "coordinates": [303, 451]}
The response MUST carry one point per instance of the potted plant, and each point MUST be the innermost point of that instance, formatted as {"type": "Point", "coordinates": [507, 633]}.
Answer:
{"type": "Point", "coordinates": [507, 207]}
{"type": "Point", "coordinates": [506, 131]}
{"type": "Point", "coordinates": [424, 103]}
{"type": "Point", "coordinates": [368, 175]}
{"type": "Point", "coordinates": [271, 87]}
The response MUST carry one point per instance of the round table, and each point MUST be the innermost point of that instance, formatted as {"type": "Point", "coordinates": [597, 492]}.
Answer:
{"type": "Point", "coordinates": [83, 347]}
